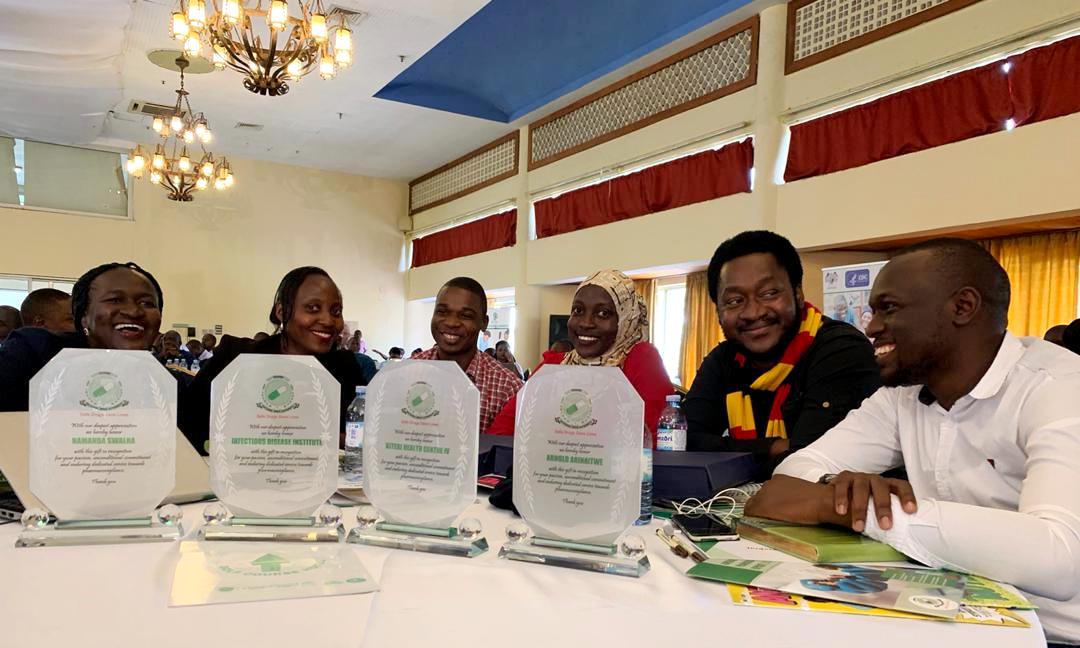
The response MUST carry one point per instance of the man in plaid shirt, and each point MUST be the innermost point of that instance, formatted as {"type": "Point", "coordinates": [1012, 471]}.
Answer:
{"type": "Point", "coordinates": [460, 314]}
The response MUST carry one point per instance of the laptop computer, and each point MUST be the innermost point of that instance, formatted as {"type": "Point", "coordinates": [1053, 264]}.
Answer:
{"type": "Point", "coordinates": [192, 473]}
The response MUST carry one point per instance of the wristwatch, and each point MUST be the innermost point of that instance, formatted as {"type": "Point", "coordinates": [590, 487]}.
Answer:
{"type": "Point", "coordinates": [826, 478]}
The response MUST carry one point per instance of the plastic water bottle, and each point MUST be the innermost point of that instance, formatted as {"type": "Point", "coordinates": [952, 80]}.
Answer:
{"type": "Point", "coordinates": [354, 438]}
{"type": "Point", "coordinates": [671, 430]}
{"type": "Point", "coordinates": [195, 365]}
{"type": "Point", "coordinates": [646, 479]}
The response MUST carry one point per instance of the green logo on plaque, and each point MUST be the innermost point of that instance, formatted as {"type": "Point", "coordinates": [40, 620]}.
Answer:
{"type": "Point", "coordinates": [104, 391]}
{"type": "Point", "coordinates": [278, 395]}
{"type": "Point", "coordinates": [575, 410]}
{"type": "Point", "coordinates": [420, 401]}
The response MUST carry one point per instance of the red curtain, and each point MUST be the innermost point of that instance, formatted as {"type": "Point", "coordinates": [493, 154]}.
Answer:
{"type": "Point", "coordinates": [1045, 82]}
{"type": "Point", "coordinates": [685, 181]}
{"type": "Point", "coordinates": [489, 233]}
{"type": "Point", "coordinates": [1041, 84]}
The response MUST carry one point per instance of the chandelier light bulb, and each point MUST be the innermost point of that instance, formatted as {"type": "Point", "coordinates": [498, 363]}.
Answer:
{"type": "Point", "coordinates": [192, 46]}
{"type": "Point", "coordinates": [229, 180]}
{"type": "Point", "coordinates": [343, 58]}
{"type": "Point", "coordinates": [326, 67]}
{"type": "Point", "coordinates": [189, 137]}
{"type": "Point", "coordinates": [200, 184]}
{"type": "Point", "coordinates": [294, 69]}
{"type": "Point", "coordinates": [206, 136]}
{"type": "Point", "coordinates": [218, 58]}
{"type": "Point", "coordinates": [180, 27]}
{"type": "Point", "coordinates": [231, 11]}
{"type": "Point", "coordinates": [278, 16]}
{"type": "Point", "coordinates": [219, 184]}
{"type": "Point", "coordinates": [159, 161]}
{"type": "Point", "coordinates": [208, 169]}
{"type": "Point", "coordinates": [176, 123]}
{"type": "Point", "coordinates": [158, 124]}
{"type": "Point", "coordinates": [318, 28]}
{"type": "Point", "coordinates": [343, 39]}
{"type": "Point", "coordinates": [175, 180]}
{"type": "Point", "coordinates": [137, 173]}
{"type": "Point", "coordinates": [200, 129]}
{"type": "Point", "coordinates": [185, 162]}
{"type": "Point", "coordinates": [196, 14]}
{"type": "Point", "coordinates": [155, 177]}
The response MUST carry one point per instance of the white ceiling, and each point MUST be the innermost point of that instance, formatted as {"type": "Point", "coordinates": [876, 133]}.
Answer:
{"type": "Point", "coordinates": [71, 68]}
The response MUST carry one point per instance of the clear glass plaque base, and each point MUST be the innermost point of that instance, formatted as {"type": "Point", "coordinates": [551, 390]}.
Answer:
{"type": "Point", "coordinates": [448, 542]}
{"type": "Point", "coordinates": [255, 529]}
{"type": "Point", "coordinates": [97, 532]}
{"type": "Point", "coordinates": [598, 558]}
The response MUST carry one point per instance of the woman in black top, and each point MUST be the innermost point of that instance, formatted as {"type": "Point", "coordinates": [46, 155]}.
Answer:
{"type": "Point", "coordinates": [307, 314]}
{"type": "Point", "coordinates": [115, 306]}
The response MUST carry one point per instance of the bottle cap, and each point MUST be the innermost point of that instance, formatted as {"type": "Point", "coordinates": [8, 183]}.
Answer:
{"type": "Point", "coordinates": [674, 398]}
{"type": "Point", "coordinates": [361, 390]}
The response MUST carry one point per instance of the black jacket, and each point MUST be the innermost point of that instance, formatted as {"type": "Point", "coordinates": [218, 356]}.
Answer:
{"type": "Point", "coordinates": [833, 377]}
{"type": "Point", "coordinates": [24, 353]}
{"type": "Point", "coordinates": [194, 414]}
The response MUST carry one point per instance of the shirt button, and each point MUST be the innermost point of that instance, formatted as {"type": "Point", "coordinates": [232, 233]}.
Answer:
{"type": "Point", "coordinates": [825, 404]}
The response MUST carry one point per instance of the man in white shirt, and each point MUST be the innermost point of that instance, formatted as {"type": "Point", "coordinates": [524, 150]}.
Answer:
{"type": "Point", "coordinates": [986, 424]}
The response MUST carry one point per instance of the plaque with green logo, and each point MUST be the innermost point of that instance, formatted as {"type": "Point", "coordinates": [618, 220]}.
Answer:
{"type": "Point", "coordinates": [102, 449]}
{"type": "Point", "coordinates": [274, 423]}
{"type": "Point", "coordinates": [577, 471]}
{"type": "Point", "coordinates": [421, 440]}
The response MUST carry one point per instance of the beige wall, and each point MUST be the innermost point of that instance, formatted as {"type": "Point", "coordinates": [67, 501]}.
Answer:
{"type": "Point", "coordinates": [219, 258]}
{"type": "Point", "coordinates": [1026, 172]}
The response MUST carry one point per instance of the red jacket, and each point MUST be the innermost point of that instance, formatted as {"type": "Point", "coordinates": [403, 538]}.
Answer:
{"type": "Point", "coordinates": [644, 369]}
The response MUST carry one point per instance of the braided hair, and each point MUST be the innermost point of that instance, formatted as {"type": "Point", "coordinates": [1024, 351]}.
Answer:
{"type": "Point", "coordinates": [80, 292]}
{"type": "Point", "coordinates": [286, 293]}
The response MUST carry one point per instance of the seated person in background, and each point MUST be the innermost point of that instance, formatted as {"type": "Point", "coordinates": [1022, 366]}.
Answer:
{"type": "Point", "coordinates": [415, 352]}
{"type": "Point", "coordinates": [169, 349]}
{"type": "Point", "coordinates": [209, 342]}
{"type": "Point", "coordinates": [48, 308]}
{"type": "Point", "coordinates": [1054, 334]}
{"type": "Point", "coordinates": [506, 357]}
{"type": "Point", "coordinates": [260, 336]}
{"type": "Point", "coordinates": [367, 365]}
{"type": "Point", "coordinates": [9, 321]}
{"type": "Point", "coordinates": [460, 314]}
{"type": "Point", "coordinates": [307, 311]}
{"type": "Point", "coordinates": [1070, 337]}
{"type": "Point", "coordinates": [785, 373]}
{"type": "Point", "coordinates": [395, 354]}
{"type": "Point", "coordinates": [116, 306]}
{"type": "Point", "coordinates": [987, 425]}
{"type": "Point", "coordinates": [608, 325]}
{"type": "Point", "coordinates": [194, 349]}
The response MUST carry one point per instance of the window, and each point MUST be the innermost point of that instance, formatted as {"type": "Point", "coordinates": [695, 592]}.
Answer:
{"type": "Point", "coordinates": [14, 289]}
{"type": "Point", "coordinates": [667, 325]}
{"type": "Point", "coordinates": [63, 178]}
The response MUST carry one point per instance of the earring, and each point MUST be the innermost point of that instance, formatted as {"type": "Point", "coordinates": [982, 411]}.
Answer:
{"type": "Point", "coordinates": [86, 331]}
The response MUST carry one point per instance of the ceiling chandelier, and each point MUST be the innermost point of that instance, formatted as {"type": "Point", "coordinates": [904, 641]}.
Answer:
{"type": "Point", "coordinates": [171, 166]}
{"type": "Point", "coordinates": [268, 46]}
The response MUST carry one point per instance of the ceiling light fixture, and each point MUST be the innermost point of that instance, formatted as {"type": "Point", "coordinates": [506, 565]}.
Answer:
{"type": "Point", "coordinates": [267, 45]}
{"type": "Point", "coordinates": [172, 167]}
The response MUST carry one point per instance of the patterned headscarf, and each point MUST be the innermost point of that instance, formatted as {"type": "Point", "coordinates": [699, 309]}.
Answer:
{"type": "Point", "coordinates": [633, 319]}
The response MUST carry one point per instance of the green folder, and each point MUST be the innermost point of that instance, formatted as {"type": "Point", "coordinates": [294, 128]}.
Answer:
{"type": "Point", "coordinates": [818, 544]}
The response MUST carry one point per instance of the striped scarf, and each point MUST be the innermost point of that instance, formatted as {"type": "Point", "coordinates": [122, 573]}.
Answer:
{"type": "Point", "coordinates": [739, 409]}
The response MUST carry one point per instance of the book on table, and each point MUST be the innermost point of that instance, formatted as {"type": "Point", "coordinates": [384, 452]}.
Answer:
{"type": "Point", "coordinates": [817, 544]}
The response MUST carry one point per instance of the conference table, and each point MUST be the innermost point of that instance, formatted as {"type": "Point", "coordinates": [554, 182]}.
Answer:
{"type": "Point", "coordinates": [118, 595]}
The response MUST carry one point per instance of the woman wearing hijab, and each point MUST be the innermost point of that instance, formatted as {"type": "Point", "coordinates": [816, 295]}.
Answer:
{"type": "Point", "coordinates": [115, 306]}
{"type": "Point", "coordinates": [609, 328]}
{"type": "Point", "coordinates": [307, 313]}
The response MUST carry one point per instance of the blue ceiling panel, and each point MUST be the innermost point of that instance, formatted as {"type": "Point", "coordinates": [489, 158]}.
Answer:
{"type": "Point", "coordinates": [514, 56]}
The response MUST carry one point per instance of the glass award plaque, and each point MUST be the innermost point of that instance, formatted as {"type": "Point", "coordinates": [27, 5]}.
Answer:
{"type": "Point", "coordinates": [577, 471]}
{"type": "Point", "coordinates": [421, 441]}
{"type": "Point", "coordinates": [274, 422]}
{"type": "Point", "coordinates": [102, 450]}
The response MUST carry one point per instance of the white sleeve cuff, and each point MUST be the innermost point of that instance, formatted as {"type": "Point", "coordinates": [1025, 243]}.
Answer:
{"type": "Point", "coordinates": [901, 536]}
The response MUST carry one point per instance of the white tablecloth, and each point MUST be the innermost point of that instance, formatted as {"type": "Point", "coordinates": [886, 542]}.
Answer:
{"type": "Point", "coordinates": [117, 595]}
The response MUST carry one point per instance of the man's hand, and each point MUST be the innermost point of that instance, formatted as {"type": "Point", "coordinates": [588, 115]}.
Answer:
{"type": "Point", "coordinates": [794, 500]}
{"type": "Point", "coordinates": [852, 493]}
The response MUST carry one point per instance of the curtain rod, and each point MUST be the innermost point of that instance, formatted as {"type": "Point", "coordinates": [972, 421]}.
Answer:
{"type": "Point", "coordinates": [475, 214]}
{"type": "Point", "coordinates": [653, 157]}
{"type": "Point", "coordinates": [1053, 30]}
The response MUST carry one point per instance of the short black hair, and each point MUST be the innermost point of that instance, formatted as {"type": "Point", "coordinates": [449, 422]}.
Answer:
{"type": "Point", "coordinates": [961, 263]}
{"type": "Point", "coordinates": [14, 311]}
{"type": "Point", "coordinates": [755, 242]}
{"type": "Point", "coordinates": [471, 285]}
{"type": "Point", "coordinates": [397, 352]}
{"type": "Point", "coordinates": [1070, 338]}
{"type": "Point", "coordinates": [39, 302]}
{"type": "Point", "coordinates": [287, 289]}
{"type": "Point", "coordinates": [209, 335]}
{"type": "Point", "coordinates": [80, 292]}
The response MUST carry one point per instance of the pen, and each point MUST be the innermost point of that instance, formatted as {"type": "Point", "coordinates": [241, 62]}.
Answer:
{"type": "Point", "coordinates": [676, 548]}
